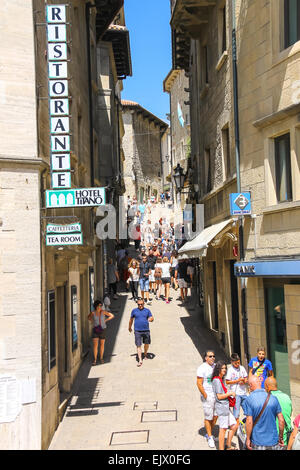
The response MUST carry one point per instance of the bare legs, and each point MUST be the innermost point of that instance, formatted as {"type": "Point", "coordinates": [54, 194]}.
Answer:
{"type": "Point", "coordinates": [95, 349]}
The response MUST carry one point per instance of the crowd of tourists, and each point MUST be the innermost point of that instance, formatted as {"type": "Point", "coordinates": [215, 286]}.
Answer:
{"type": "Point", "coordinates": [156, 267]}
{"type": "Point", "coordinates": [249, 404]}
{"type": "Point", "coordinates": [246, 404]}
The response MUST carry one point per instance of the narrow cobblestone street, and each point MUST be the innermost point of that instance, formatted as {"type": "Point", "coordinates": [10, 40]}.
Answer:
{"type": "Point", "coordinates": [155, 407]}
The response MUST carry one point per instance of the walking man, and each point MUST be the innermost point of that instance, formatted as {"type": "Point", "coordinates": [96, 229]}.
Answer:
{"type": "Point", "coordinates": [141, 317]}
{"type": "Point", "coordinates": [286, 406]}
{"type": "Point", "coordinates": [204, 384]}
{"type": "Point", "coordinates": [145, 271]}
{"type": "Point", "coordinates": [261, 410]}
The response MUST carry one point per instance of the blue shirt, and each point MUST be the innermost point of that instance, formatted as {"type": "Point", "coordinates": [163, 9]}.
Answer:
{"type": "Point", "coordinates": [262, 370]}
{"type": "Point", "coordinates": [141, 319]}
{"type": "Point", "coordinates": [265, 432]}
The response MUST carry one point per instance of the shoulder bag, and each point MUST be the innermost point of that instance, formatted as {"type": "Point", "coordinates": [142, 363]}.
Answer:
{"type": "Point", "coordinates": [232, 400]}
{"type": "Point", "coordinates": [241, 431]}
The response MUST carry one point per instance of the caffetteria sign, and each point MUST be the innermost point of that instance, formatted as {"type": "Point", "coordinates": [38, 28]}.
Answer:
{"type": "Point", "coordinates": [60, 148]}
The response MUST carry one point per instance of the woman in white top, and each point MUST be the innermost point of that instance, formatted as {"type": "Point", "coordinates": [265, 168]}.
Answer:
{"type": "Point", "coordinates": [134, 276]}
{"type": "Point", "coordinates": [166, 277]}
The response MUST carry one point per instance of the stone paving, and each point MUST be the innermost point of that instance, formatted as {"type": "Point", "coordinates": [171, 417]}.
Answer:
{"type": "Point", "coordinates": [119, 406]}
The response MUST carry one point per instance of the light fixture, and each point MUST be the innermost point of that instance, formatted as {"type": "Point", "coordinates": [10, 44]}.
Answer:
{"type": "Point", "coordinates": [179, 177]}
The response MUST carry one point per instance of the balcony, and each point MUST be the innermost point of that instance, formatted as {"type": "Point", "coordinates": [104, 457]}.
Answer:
{"type": "Point", "coordinates": [106, 12]}
{"type": "Point", "coordinates": [189, 16]}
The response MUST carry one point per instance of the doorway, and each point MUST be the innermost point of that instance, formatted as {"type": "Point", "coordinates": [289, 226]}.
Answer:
{"type": "Point", "coordinates": [62, 337]}
{"type": "Point", "coordinates": [276, 334]}
{"type": "Point", "coordinates": [236, 338]}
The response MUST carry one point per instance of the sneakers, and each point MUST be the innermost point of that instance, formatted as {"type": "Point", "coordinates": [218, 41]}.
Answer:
{"type": "Point", "coordinates": [211, 442]}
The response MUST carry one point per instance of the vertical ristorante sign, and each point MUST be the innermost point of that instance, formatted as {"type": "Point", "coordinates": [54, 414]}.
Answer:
{"type": "Point", "coordinates": [58, 96]}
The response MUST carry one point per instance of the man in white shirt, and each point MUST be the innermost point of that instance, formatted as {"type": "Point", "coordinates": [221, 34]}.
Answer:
{"type": "Point", "coordinates": [237, 378]}
{"type": "Point", "coordinates": [204, 383]}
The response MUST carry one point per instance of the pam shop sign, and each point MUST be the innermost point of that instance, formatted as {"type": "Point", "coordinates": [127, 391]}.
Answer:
{"type": "Point", "coordinates": [64, 239]}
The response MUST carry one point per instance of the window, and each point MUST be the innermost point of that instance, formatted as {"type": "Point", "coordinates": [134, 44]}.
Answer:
{"type": "Point", "coordinates": [224, 42]}
{"type": "Point", "coordinates": [215, 295]}
{"type": "Point", "coordinates": [226, 152]}
{"type": "Point", "coordinates": [208, 170]}
{"type": "Point", "coordinates": [74, 317]}
{"type": "Point", "coordinates": [51, 330]}
{"type": "Point", "coordinates": [283, 168]}
{"type": "Point", "coordinates": [222, 28]}
{"type": "Point", "coordinates": [205, 64]}
{"type": "Point", "coordinates": [291, 22]}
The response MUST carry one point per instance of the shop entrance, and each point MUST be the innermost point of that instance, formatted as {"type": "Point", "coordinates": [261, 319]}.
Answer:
{"type": "Point", "coordinates": [235, 311]}
{"type": "Point", "coordinates": [277, 338]}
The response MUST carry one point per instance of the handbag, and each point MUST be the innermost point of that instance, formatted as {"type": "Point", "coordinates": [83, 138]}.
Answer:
{"type": "Point", "coordinates": [232, 400]}
{"type": "Point", "coordinates": [98, 329]}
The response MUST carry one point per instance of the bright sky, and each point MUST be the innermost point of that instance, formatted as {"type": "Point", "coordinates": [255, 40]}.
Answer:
{"type": "Point", "coordinates": [148, 22]}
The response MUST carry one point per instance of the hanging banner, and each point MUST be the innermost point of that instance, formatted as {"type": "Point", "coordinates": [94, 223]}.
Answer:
{"type": "Point", "coordinates": [56, 18]}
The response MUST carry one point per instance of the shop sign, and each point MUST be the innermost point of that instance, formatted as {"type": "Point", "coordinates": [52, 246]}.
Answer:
{"type": "Point", "coordinates": [240, 203]}
{"type": "Point", "coordinates": [71, 228]}
{"type": "Point", "coordinates": [82, 197]}
{"type": "Point", "coordinates": [64, 239]}
{"type": "Point", "coordinates": [60, 148]}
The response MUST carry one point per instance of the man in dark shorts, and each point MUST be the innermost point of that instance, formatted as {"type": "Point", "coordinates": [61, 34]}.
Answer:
{"type": "Point", "coordinates": [141, 317]}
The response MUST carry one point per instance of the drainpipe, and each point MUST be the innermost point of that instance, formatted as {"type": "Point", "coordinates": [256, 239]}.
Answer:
{"type": "Point", "coordinates": [238, 176]}
{"type": "Point", "coordinates": [88, 7]}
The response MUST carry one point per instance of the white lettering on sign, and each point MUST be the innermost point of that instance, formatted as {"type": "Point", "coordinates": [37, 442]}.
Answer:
{"type": "Point", "coordinates": [245, 269]}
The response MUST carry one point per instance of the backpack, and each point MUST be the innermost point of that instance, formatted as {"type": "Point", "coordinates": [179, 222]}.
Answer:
{"type": "Point", "coordinates": [296, 444]}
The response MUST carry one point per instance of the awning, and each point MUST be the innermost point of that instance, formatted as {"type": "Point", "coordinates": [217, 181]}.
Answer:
{"type": "Point", "coordinates": [197, 247]}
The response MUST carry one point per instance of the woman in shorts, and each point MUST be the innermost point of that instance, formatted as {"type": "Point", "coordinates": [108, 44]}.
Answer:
{"type": "Point", "coordinates": [166, 277]}
{"type": "Point", "coordinates": [99, 318]}
{"type": "Point", "coordinates": [226, 419]}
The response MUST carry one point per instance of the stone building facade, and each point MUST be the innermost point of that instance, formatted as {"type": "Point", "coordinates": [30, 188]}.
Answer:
{"type": "Point", "coordinates": [251, 265]}
{"type": "Point", "coordinates": [44, 341]}
{"type": "Point", "coordinates": [142, 150]}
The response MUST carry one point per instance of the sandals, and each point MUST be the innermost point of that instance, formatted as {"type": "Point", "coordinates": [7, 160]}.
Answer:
{"type": "Point", "coordinates": [139, 364]}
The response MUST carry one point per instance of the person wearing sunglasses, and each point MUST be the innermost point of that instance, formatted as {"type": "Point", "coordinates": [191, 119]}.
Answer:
{"type": "Point", "coordinates": [208, 399]}
{"type": "Point", "coordinates": [141, 317]}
